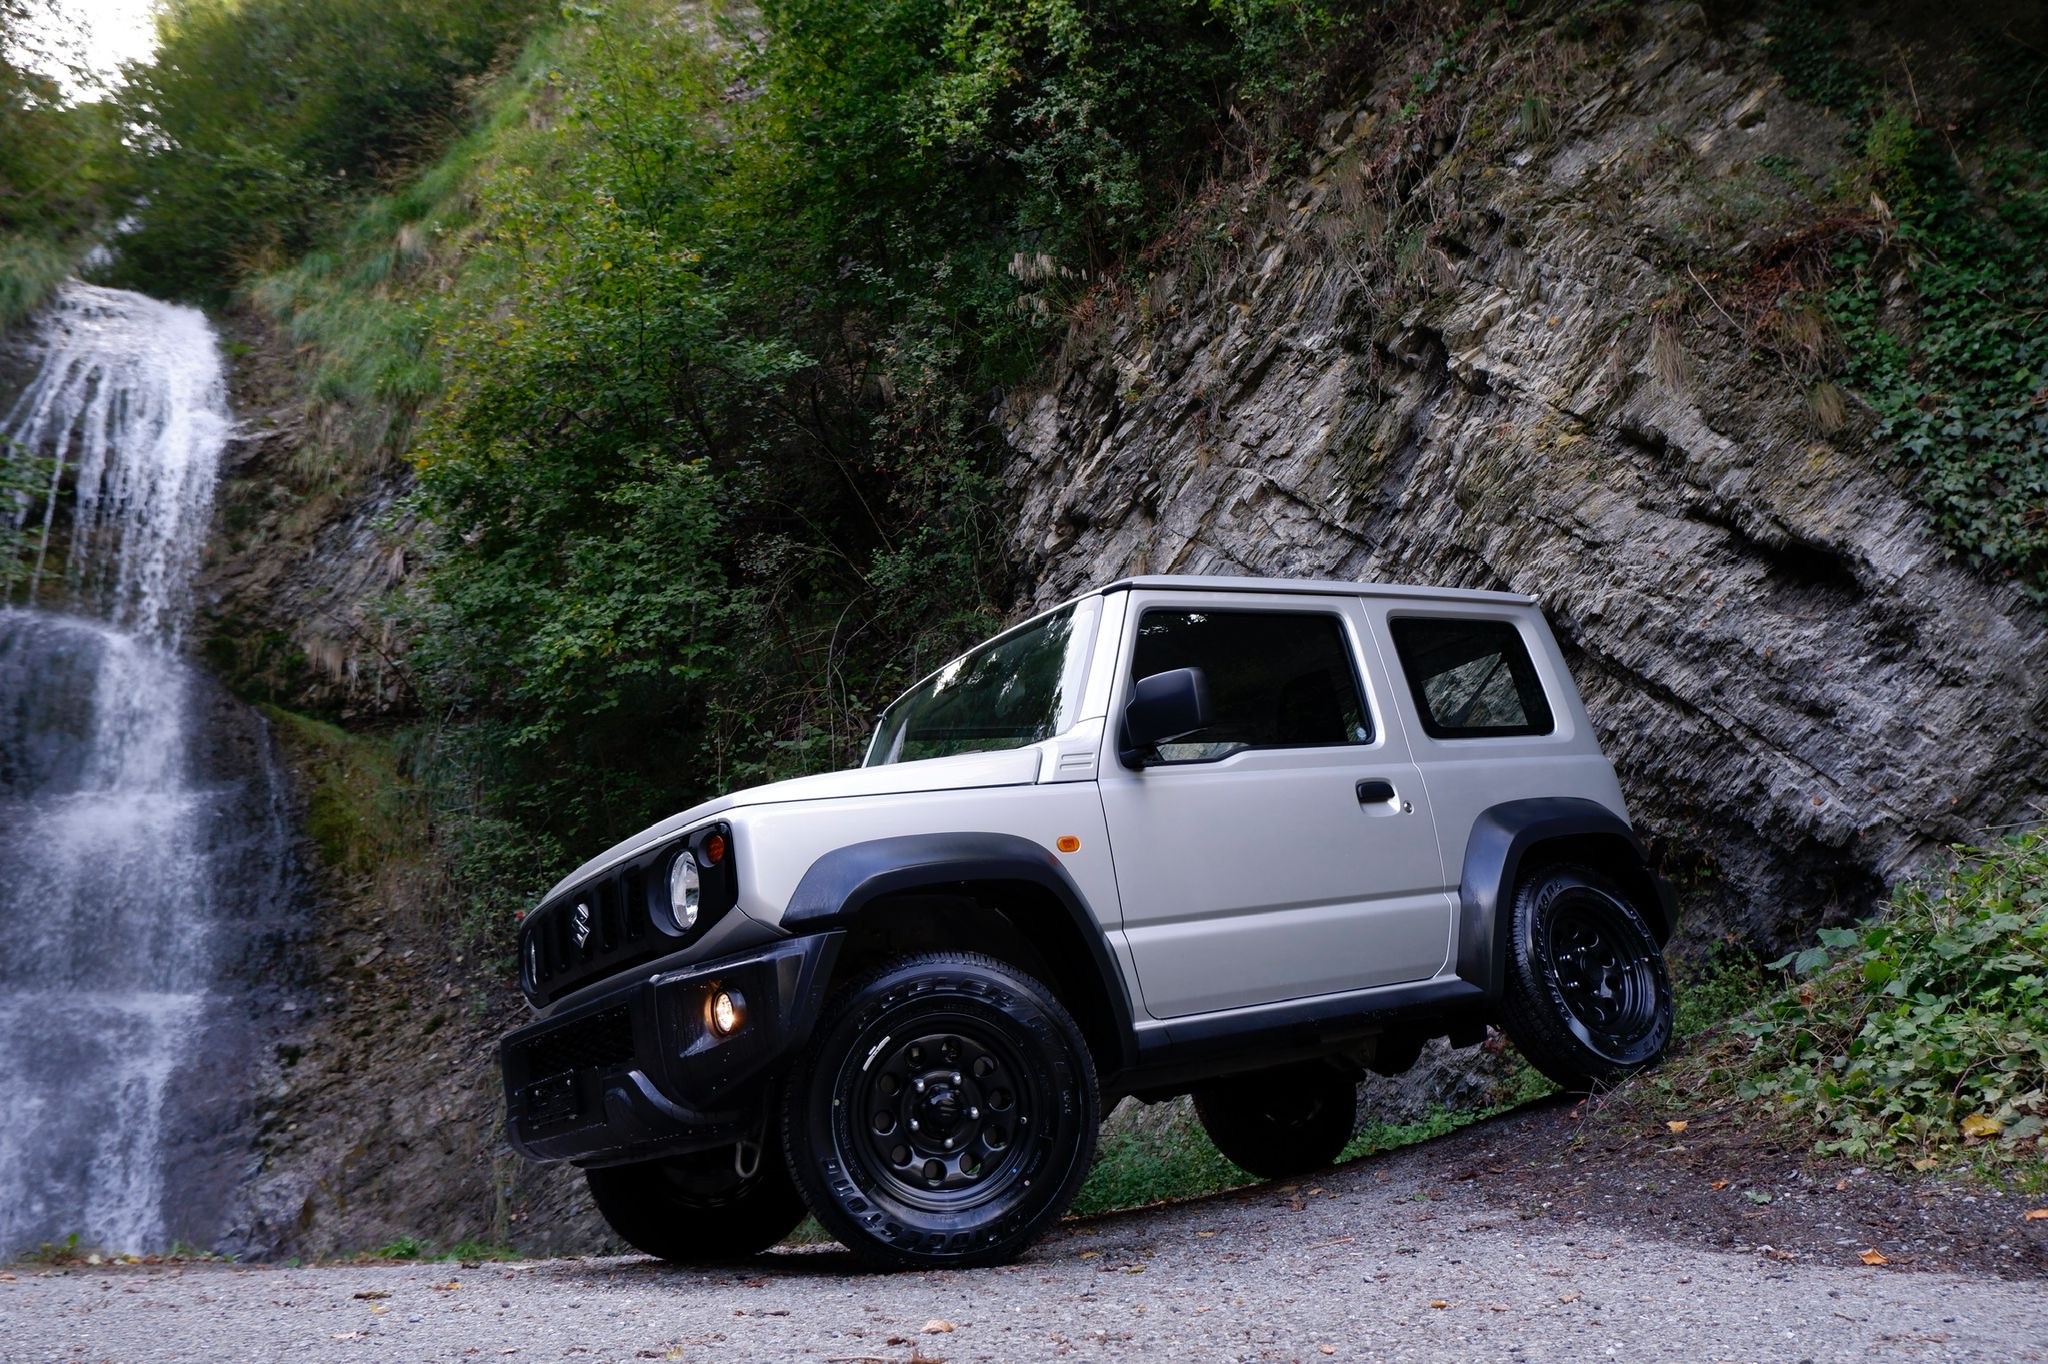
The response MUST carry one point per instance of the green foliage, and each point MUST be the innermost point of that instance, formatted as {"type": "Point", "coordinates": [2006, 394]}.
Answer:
{"type": "Point", "coordinates": [1923, 1032]}
{"type": "Point", "coordinates": [705, 383]}
{"type": "Point", "coordinates": [1957, 369]}
{"type": "Point", "coordinates": [1809, 49]}
{"type": "Point", "coordinates": [258, 117]}
{"type": "Point", "coordinates": [1723, 983]}
{"type": "Point", "coordinates": [21, 474]}
{"type": "Point", "coordinates": [52, 160]}
{"type": "Point", "coordinates": [1938, 301]}
{"type": "Point", "coordinates": [402, 1248]}
{"type": "Point", "coordinates": [1173, 1160]}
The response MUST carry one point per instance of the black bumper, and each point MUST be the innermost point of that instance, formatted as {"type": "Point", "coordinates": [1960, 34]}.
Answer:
{"type": "Point", "coordinates": [638, 1071]}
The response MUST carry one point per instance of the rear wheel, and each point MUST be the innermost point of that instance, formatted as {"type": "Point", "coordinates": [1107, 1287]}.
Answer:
{"type": "Point", "coordinates": [1280, 1122]}
{"type": "Point", "coordinates": [700, 1208]}
{"type": "Point", "coordinates": [1588, 1001]}
{"type": "Point", "coordinates": [945, 1114]}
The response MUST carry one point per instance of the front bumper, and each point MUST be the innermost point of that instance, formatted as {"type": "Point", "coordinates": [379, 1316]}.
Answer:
{"type": "Point", "coordinates": [637, 1071]}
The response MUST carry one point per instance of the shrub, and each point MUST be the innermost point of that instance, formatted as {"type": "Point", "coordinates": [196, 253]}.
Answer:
{"type": "Point", "coordinates": [1924, 1031]}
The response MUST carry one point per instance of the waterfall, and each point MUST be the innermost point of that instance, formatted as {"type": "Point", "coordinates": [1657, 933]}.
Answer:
{"type": "Point", "coordinates": [127, 858]}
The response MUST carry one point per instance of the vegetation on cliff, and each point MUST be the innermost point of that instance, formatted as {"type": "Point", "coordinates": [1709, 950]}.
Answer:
{"type": "Point", "coordinates": [1919, 1037]}
{"type": "Point", "coordinates": [53, 157]}
{"type": "Point", "coordinates": [693, 340]}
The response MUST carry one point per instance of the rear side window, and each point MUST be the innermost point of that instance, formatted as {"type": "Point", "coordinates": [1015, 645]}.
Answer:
{"type": "Point", "coordinates": [1472, 679]}
{"type": "Point", "coordinates": [1277, 679]}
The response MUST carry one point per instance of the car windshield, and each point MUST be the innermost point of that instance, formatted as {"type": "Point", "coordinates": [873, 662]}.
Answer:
{"type": "Point", "coordinates": [1015, 690]}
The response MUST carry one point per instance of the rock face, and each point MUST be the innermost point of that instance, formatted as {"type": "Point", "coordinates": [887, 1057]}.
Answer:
{"type": "Point", "coordinates": [1804, 697]}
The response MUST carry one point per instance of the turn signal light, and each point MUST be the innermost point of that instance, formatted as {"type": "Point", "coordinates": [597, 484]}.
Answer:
{"type": "Point", "coordinates": [714, 849]}
{"type": "Point", "coordinates": [1067, 843]}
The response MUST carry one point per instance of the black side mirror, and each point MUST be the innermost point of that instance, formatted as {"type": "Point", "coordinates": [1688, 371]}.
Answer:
{"type": "Point", "coordinates": [1162, 708]}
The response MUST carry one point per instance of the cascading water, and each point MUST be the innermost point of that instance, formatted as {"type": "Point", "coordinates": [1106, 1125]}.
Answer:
{"type": "Point", "coordinates": [132, 862]}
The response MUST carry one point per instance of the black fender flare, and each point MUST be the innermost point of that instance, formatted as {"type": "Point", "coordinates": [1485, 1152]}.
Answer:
{"type": "Point", "coordinates": [837, 887]}
{"type": "Point", "coordinates": [1502, 836]}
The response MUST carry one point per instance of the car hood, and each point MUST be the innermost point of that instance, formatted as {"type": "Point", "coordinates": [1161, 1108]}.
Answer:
{"type": "Point", "coordinates": [1012, 767]}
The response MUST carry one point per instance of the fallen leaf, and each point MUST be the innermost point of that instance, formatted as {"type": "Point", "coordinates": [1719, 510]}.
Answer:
{"type": "Point", "coordinates": [937, 1327]}
{"type": "Point", "coordinates": [348, 1335]}
{"type": "Point", "coordinates": [373, 1295]}
{"type": "Point", "coordinates": [378, 1309]}
{"type": "Point", "coordinates": [1982, 1125]}
{"type": "Point", "coordinates": [1090, 1254]}
{"type": "Point", "coordinates": [1841, 1184]}
{"type": "Point", "coordinates": [1567, 1297]}
{"type": "Point", "coordinates": [9, 1278]}
{"type": "Point", "coordinates": [1205, 1233]}
{"type": "Point", "coordinates": [2031, 1215]}
{"type": "Point", "coordinates": [1874, 1256]}
{"type": "Point", "coordinates": [1676, 1125]}
{"type": "Point", "coordinates": [1439, 1304]}
{"type": "Point", "coordinates": [1327, 1349]}
{"type": "Point", "coordinates": [1718, 1184]}
{"type": "Point", "coordinates": [448, 1287]}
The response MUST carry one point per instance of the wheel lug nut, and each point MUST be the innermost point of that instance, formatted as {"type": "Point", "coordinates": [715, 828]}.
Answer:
{"type": "Point", "coordinates": [973, 1113]}
{"type": "Point", "coordinates": [913, 1124]}
{"type": "Point", "coordinates": [949, 1143]}
{"type": "Point", "coordinates": [956, 1077]}
{"type": "Point", "coordinates": [918, 1084]}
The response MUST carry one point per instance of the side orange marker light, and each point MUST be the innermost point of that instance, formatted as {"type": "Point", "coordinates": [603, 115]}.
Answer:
{"type": "Point", "coordinates": [1067, 843]}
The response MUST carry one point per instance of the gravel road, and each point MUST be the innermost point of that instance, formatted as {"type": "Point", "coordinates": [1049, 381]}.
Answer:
{"type": "Point", "coordinates": [1385, 1259]}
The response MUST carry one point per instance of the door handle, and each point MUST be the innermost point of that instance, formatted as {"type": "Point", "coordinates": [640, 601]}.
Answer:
{"type": "Point", "coordinates": [1374, 788]}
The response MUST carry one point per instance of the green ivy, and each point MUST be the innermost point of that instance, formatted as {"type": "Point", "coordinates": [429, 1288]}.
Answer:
{"type": "Point", "coordinates": [1923, 1032]}
{"type": "Point", "coordinates": [1957, 369]}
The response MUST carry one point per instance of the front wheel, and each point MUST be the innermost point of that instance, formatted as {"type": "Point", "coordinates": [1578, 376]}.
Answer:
{"type": "Point", "coordinates": [1588, 1001]}
{"type": "Point", "coordinates": [700, 1209]}
{"type": "Point", "coordinates": [1280, 1122]}
{"type": "Point", "coordinates": [944, 1115]}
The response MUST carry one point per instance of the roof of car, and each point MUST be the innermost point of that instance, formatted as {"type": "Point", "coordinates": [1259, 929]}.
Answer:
{"type": "Point", "coordinates": [1205, 582]}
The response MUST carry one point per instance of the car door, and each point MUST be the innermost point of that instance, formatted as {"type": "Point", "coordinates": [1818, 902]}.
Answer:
{"type": "Point", "coordinates": [1288, 850]}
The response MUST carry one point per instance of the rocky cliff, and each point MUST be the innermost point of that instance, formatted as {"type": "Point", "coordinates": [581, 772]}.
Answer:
{"type": "Point", "coordinates": [1486, 357]}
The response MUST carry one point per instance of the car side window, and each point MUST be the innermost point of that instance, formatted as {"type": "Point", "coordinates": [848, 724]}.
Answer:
{"type": "Point", "coordinates": [1277, 679]}
{"type": "Point", "coordinates": [1472, 679]}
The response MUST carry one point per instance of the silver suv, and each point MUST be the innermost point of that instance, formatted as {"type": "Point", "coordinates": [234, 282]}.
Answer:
{"type": "Point", "coordinates": [1240, 838]}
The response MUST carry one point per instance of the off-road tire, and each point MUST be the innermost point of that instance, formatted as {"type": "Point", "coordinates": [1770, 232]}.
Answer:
{"type": "Point", "coordinates": [932, 1049]}
{"type": "Point", "coordinates": [1587, 998]}
{"type": "Point", "coordinates": [696, 1209]}
{"type": "Point", "coordinates": [1280, 1122]}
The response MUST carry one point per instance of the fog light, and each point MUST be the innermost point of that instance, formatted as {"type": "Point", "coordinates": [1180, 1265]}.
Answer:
{"type": "Point", "coordinates": [725, 1013]}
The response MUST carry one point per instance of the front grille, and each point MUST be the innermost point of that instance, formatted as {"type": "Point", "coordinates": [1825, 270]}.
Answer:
{"type": "Point", "coordinates": [598, 1041]}
{"type": "Point", "coordinates": [618, 911]}
{"type": "Point", "coordinates": [626, 920]}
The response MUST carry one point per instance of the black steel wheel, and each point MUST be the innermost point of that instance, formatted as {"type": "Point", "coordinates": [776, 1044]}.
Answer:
{"type": "Point", "coordinates": [702, 1208]}
{"type": "Point", "coordinates": [944, 1115]}
{"type": "Point", "coordinates": [1280, 1122]}
{"type": "Point", "coordinates": [1588, 1000]}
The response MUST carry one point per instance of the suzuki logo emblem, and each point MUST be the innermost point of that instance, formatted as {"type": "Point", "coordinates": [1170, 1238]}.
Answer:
{"type": "Point", "coordinates": [582, 926]}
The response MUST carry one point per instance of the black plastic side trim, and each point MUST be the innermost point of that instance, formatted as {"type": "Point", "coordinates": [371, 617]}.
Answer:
{"type": "Point", "coordinates": [1501, 837]}
{"type": "Point", "coordinates": [1201, 1048]}
{"type": "Point", "coordinates": [839, 885]}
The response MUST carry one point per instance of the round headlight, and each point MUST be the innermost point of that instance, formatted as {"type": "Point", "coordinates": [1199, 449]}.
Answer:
{"type": "Point", "coordinates": [685, 889]}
